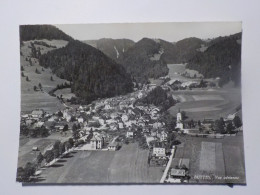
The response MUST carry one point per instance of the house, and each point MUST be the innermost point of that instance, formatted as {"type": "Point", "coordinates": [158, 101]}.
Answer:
{"type": "Point", "coordinates": [130, 134]}
{"type": "Point", "coordinates": [177, 173]}
{"type": "Point", "coordinates": [113, 146]}
{"type": "Point", "coordinates": [120, 125]}
{"type": "Point", "coordinates": [80, 120]}
{"type": "Point", "coordinates": [157, 125]}
{"type": "Point", "coordinates": [230, 117]}
{"type": "Point", "coordinates": [162, 135]}
{"type": "Point", "coordinates": [159, 149]}
{"type": "Point", "coordinates": [96, 142]}
{"type": "Point", "coordinates": [38, 113]}
{"type": "Point", "coordinates": [124, 118]}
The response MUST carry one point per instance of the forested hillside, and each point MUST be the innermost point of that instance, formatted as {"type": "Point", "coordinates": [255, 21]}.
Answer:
{"type": "Point", "coordinates": [158, 97]}
{"type": "Point", "coordinates": [181, 51]}
{"type": "Point", "coordinates": [92, 73]}
{"type": "Point", "coordinates": [221, 59]}
{"type": "Point", "coordinates": [143, 60]}
{"type": "Point", "coordinates": [37, 32]}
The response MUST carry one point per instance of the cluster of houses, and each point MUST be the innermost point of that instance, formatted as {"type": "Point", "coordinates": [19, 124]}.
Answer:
{"type": "Point", "coordinates": [101, 117]}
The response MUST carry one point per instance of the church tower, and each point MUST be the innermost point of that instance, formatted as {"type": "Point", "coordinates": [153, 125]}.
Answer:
{"type": "Point", "coordinates": [179, 124]}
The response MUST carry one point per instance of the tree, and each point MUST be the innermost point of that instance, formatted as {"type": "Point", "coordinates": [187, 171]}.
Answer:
{"type": "Point", "coordinates": [29, 169]}
{"type": "Point", "coordinates": [60, 114]}
{"type": "Point", "coordinates": [56, 152]}
{"type": "Point", "coordinates": [40, 86]}
{"type": "Point", "coordinates": [220, 126]}
{"type": "Point", "coordinates": [21, 175]}
{"type": "Point", "coordinates": [237, 121]}
{"type": "Point", "coordinates": [49, 156]}
{"type": "Point", "coordinates": [71, 141]}
{"type": "Point", "coordinates": [56, 145]}
{"type": "Point", "coordinates": [22, 68]}
{"type": "Point", "coordinates": [51, 78]}
{"type": "Point", "coordinates": [230, 127]}
{"type": "Point", "coordinates": [65, 128]}
{"type": "Point", "coordinates": [34, 88]}
{"type": "Point", "coordinates": [61, 148]}
{"type": "Point", "coordinates": [30, 61]}
{"type": "Point", "coordinates": [199, 123]}
{"type": "Point", "coordinates": [22, 74]}
{"type": "Point", "coordinates": [37, 71]}
{"type": "Point", "coordinates": [75, 132]}
{"type": "Point", "coordinates": [27, 79]}
{"type": "Point", "coordinates": [39, 158]}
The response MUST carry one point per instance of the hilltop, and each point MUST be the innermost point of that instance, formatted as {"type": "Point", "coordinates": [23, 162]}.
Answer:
{"type": "Point", "coordinates": [221, 59]}
{"type": "Point", "coordinates": [38, 32]}
{"type": "Point", "coordinates": [143, 60]}
{"type": "Point", "coordinates": [92, 73]}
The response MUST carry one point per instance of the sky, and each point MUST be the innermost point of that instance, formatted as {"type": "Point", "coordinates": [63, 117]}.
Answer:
{"type": "Point", "coordinates": [167, 31]}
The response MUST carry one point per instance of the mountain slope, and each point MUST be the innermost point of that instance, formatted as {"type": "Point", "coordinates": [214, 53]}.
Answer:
{"type": "Point", "coordinates": [92, 73]}
{"type": "Point", "coordinates": [113, 48]}
{"type": "Point", "coordinates": [181, 51]}
{"type": "Point", "coordinates": [143, 60]}
{"type": "Point", "coordinates": [221, 59]}
{"type": "Point", "coordinates": [38, 32]}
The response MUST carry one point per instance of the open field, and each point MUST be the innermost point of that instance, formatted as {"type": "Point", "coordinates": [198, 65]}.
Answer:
{"type": "Point", "coordinates": [26, 144]}
{"type": "Point", "coordinates": [203, 103]}
{"type": "Point", "coordinates": [31, 99]}
{"type": "Point", "coordinates": [200, 104]}
{"type": "Point", "coordinates": [128, 165]}
{"type": "Point", "coordinates": [212, 158]}
{"type": "Point", "coordinates": [66, 93]}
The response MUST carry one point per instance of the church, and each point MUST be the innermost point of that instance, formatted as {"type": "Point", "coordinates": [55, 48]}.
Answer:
{"type": "Point", "coordinates": [179, 122]}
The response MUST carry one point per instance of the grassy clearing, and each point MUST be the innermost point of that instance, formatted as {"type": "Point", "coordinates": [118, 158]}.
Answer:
{"type": "Point", "coordinates": [128, 165]}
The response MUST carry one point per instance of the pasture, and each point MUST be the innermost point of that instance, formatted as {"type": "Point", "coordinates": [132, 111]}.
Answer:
{"type": "Point", "coordinates": [31, 99]}
{"type": "Point", "coordinates": [203, 103]}
{"type": "Point", "coordinates": [128, 165]}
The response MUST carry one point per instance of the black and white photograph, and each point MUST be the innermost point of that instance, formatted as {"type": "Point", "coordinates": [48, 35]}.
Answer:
{"type": "Point", "coordinates": [131, 103]}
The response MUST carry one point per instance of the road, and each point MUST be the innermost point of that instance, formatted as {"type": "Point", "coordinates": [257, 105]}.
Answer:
{"type": "Point", "coordinates": [167, 167]}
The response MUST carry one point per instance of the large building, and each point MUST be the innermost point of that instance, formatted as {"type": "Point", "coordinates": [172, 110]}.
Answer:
{"type": "Point", "coordinates": [96, 142]}
{"type": "Point", "coordinates": [159, 149]}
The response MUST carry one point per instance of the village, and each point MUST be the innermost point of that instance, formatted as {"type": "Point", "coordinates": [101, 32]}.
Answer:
{"type": "Point", "coordinates": [107, 124]}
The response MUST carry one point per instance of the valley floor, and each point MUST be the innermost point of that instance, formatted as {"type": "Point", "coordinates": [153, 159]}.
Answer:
{"type": "Point", "coordinates": [128, 165]}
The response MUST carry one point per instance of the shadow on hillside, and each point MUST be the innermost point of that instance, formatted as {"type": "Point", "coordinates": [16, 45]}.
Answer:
{"type": "Point", "coordinates": [57, 165]}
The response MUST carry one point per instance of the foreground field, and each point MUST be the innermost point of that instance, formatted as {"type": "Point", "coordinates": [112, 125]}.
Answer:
{"type": "Point", "coordinates": [214, 160]}
{"type": "Point", "coordinates": [128, 165]}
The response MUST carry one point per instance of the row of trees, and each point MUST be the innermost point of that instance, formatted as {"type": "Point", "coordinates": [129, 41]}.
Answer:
{"type": "Point", "coordinates": [24, 174]}
{"type": "Point", "coordinates": [221, 127]}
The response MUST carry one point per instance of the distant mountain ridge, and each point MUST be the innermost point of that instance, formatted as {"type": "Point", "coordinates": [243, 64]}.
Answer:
{"type": "Point", "coordinates": [113, 48]}
{"type": "Point", "coordinates": [181, 51]}
{"type": "Point", "coordinates": [92, 73]}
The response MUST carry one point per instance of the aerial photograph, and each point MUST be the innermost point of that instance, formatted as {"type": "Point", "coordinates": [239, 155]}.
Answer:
{"type": "Point", "coordinates": [131, 103]}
